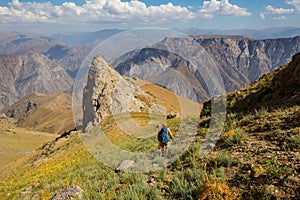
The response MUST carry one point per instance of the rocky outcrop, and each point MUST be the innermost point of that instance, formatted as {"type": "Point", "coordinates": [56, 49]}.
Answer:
{"type": "Point", "coordinates": [22, 109]}
{"type": "Point", "coordinates": [32, 72]}
{"type": "Point", "coordinates": [108, 93]}
{"type": "Point", "coordinates": [289, 77]}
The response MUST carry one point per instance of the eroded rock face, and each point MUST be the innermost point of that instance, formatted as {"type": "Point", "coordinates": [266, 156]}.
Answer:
{"type": "Point", "coordinates": [108, 93]}
{"type": "Point", "coordinates": [31, 72]}
{"type": "Point", "coordinates": [239, 60]}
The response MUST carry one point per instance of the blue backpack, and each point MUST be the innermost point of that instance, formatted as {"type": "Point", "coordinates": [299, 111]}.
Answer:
{"type": "Point", "coordinates": [163, 135]}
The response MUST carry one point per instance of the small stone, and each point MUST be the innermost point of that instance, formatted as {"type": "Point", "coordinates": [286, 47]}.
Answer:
{"type": "Point", "coordinates": [152, 180]}
{"type": "Point", "coordinates": [71, 192]}
{"type": "Point", "coordinates": [27, 190]}
{"type": "Point", "coordinates": [124, 166]}
{"type": "Point", "coordinates": [2, 116]}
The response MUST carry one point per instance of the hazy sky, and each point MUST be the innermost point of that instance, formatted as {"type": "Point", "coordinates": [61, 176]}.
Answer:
{"type": "Point", "coordinates": [43, 16]}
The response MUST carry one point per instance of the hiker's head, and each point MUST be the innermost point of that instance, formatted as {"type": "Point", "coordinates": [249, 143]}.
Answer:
{"type": "Point", "coordinates": [164, 124]}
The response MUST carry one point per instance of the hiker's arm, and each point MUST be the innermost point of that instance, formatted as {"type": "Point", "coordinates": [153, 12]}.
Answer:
{"type": "Point", "coordinates": [170, 134]}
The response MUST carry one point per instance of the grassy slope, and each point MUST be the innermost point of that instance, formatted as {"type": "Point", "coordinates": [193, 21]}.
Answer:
{"type": "Point", "coordinates": [18, 142]}
{"type": "Point", "coordinates": [67, 162]}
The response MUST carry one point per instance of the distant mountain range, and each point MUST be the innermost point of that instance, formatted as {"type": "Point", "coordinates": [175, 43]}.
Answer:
{"type": "Point", "coordinates": [238, 59]}
{"type": "Point", "coordinates": [269, 33]}
{"type": "Point", "coordinates": [98, 36]}
{"type": "Point", "coordinates": [86, 37]}
{"type": "Point", "coordinates": [19, 44]}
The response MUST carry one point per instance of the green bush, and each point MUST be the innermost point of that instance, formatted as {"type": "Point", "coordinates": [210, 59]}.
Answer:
{"type": "Point", "coordinates": [232, 137]}
{"type": "Point", "coordinates": [185, 183]}
{"type": "Point", "coordinates": [275, 170]}
{"type": "Point", "coordinates": [224, 159]}
{"type": "Point", "coordinates": [231, 122]}
{"type": "Point", "coordinates": [294, 142]}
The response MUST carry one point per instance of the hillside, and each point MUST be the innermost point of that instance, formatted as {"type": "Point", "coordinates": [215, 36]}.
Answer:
{"type": "Point", "coordinates": [256, 157]}
{"type": "Point", "coordinates": [18, 142]}
{"type": "Point", "coordinates": [56, 161]}
{"type": "Point", "coordinates": [41, 112]}
{"type": "Point", "coordinates": [261, 140]}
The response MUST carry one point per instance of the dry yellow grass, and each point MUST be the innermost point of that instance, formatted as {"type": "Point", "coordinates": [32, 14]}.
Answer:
{"type": "Point", "coordinates": [215, 191]}
{"type": "Point", "coordinates": [17, 142]}
{"type": "Point", "coordinates": [53, 113]}
{"type": "Point", "coordinates": [171, 101]}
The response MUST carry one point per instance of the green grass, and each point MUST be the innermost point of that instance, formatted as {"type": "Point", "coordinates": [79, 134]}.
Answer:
{"type": "Point", "coordinates": [232, 137]}
{"type": "Point", "coordinates": [70, 163]}
{"type": "Point", "coordinates": [294, 141]}
{"type": "Point", "coordinates": [16, 143]}
{"type": "Point", "coordinates": [275, 171]}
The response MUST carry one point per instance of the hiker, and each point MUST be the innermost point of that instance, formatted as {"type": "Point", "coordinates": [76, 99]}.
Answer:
{"type": "Point", "coordinates": [164, 136]}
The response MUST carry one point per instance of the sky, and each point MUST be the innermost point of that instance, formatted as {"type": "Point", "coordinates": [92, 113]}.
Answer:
{"type": "Point", "coordinates": [57, 16]}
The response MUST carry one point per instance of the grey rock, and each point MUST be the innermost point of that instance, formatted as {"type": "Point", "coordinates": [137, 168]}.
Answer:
{"type": "Point", "coordinates": [172, 115]}
{"type": "Point", "coordinates": [108, 93]}
{"type": "Point", "coordinates": [124, 165]}
{"type": "Point", "coordinates": [71, 192]}
{"type": "Point", "coordinates": [3, 116]}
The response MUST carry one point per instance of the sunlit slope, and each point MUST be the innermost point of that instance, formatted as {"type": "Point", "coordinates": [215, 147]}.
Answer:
{"type": "Point", "coordinates": [171, 101]}
{"type": "Point", "coordinates": [16, 142]}
{"type": "Point", "coordinates": [41, 112]}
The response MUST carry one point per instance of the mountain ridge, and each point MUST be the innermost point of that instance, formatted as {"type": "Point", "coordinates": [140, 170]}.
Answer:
{"type": "Point", "coordinates": [239, 60]}
{"type": "Point", "coordinates": [29, 73]}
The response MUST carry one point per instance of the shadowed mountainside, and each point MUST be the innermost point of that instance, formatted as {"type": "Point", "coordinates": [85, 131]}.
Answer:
{"type": "Point", "coordinates": [31, 72]}
{"type": "Point", "coordinates": [13, 43]}
{"type": "Point", "coordinates": [238, 59]}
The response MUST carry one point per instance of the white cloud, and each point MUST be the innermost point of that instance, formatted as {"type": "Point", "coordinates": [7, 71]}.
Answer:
{"type": "Point", "coordinates": [280, 18]}
{"type": "Point", "coordinates": [278, 11]}
{"type": "Point", "coordinates": [212, 8]}
{"type": "Point", "coordinates": [275, 11]}
{"type": "Point", "coordinates": [262, 15]}
{"type": "Point", "coordinates": [295, 3]}
{"type": "Point", "coordinates": [93, 11]}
